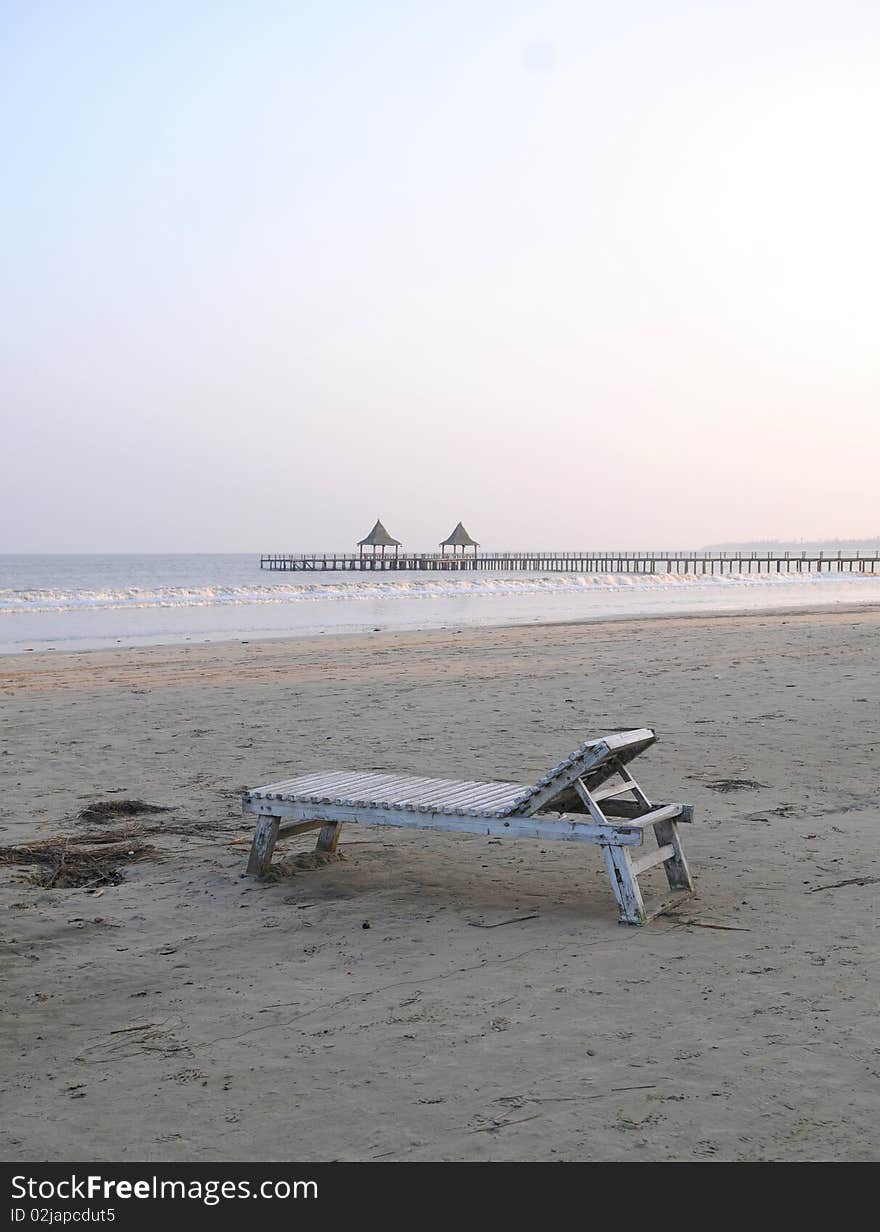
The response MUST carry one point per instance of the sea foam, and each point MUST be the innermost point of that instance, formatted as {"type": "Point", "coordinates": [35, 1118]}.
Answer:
{"type": "Point", "coordinates": [460, 586]}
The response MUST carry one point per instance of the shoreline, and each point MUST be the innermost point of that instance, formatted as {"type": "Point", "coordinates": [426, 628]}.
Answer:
{"type": "Point", "coordinates": [339, 637]}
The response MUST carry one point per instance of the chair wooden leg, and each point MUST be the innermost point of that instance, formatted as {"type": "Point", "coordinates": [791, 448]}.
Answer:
{"type": "Point", "coordinates": [624, 884]}
{"type": "Point", "coordinates": [328, 837]}
{"type": "Point", "coordinates": [677, 872]}
{"type": "Point", "coordinates": [263, 845]}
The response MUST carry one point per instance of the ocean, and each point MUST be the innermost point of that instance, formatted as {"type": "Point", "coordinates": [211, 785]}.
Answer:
{"type": "Point", "coordinates": [85, 602]}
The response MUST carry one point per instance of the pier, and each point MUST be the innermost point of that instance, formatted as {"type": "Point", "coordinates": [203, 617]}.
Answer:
{"type": "Point", "coordinates": [718, 563]}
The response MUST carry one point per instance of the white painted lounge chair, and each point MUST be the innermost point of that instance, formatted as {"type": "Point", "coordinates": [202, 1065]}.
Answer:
{"type": "Point", "coordinates": [591, 797]}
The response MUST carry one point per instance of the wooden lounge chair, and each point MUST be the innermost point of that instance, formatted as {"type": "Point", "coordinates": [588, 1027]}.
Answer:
{"type": "Point", "coordinates": [590, 797]}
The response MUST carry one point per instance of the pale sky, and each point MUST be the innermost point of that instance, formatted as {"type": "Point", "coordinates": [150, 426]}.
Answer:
{"type": "Point", "coordinates": [577, 273]}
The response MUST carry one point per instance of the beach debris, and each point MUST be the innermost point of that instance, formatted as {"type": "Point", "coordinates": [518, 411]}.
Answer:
{"type": "Point", "coordinates": [642, 1086]}
{"type": "Point", "coordinates": [81, 863]}
{"type": "Point", "coordinates": [727, 928]}
{"type": "Point", "coordinates": [734, 785]}
{"type": "Point", "coordinates": [514, 919]}
{"type": "Point", "coordinates": [109, 810]}
{"type": "Point", "coordinates": [837, 885]}
{"type": "Point", "coordinates": [108, 838]}
{"type": "Point", "coordinates": [502, 1123]}
{"type": "Point", "coordinates": [148, 826]}
{"type": "Point", "coordinates": [130, 1041]}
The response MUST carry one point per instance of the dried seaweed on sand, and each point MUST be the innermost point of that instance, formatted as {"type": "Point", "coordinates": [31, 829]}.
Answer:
{"type": "Point", "coordinates": [109, 810]}
{"type": "Point", "coordinates": [87, 861]}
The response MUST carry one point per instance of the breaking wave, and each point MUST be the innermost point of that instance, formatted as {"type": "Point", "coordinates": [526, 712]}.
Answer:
{"type": "Point", "coordinates": [458, 587]}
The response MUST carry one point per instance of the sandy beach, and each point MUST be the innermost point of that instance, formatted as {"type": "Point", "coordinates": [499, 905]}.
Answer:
{"type": "Point", "coordinates": [430, 997]}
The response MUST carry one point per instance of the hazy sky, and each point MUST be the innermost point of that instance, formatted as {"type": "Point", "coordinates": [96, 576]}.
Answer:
{"type": "Point", "coordinates": [577, 273]}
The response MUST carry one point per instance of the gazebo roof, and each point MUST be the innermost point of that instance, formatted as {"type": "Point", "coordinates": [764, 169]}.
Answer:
{"type": "Point", "coordinates": [378, 538]}
{"type": "Point", "coordinates": [459, 538]}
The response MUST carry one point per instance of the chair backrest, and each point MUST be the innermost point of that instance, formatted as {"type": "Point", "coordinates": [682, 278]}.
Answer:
{"type": "Point", "coordinates": [594, 762]}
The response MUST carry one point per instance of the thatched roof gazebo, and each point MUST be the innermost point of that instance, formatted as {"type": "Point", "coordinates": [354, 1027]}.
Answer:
{"type": "Point", "coordinates": [379, 538]}
{"type": "Point", "coordinates": [459, 539]}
